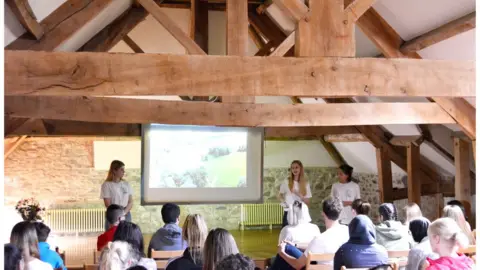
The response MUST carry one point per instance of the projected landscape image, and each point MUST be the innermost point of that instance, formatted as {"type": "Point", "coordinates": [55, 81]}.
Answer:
{"type": "Point", "coordinates": [197, 157]}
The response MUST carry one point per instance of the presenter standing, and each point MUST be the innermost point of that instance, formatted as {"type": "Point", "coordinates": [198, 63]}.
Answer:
{"type": "Point", "coordinates": [346, 191]}
{"type": "Point", "coordinates": [295, 188]}
{"type": "Point", "coordinates": [117, 191]}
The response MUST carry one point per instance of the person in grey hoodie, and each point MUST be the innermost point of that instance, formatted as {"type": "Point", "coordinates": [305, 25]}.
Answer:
{"type": "Point", "coordinates": [419, 253]}
{"type": "Point", "coordinates": [169, 237]}
{"type": "Point", "coordinates": [391, 233]}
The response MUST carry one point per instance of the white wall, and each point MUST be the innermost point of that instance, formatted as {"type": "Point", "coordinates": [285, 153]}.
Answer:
{"type": "Point", "coordinates": [278, 154]}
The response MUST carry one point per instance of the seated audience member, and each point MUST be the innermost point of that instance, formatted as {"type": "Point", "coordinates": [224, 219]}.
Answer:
{"type": "Point", "coordinates": [290, 257]}
{"type": "Point", "coordinates": [11, 257]}
{"type": "Point", "coordinates": [129, 232]}
{"type": "Point", "coordinates": [412, 211]}
{"type": "Point", "coordinates": [219, 244]}
{"type": "Point", "coordinates": [419, 253]}
{"type": "Point", "coordinates": [118, 255]}
{"type": "Point", "coordinates": [46, 254]}
{"type": "Point", "coordinates": [359, 207]}
{"type": "Point", "coordinates": [299, 229]}
{"type": "Point", "coordinates": [24, 237]}
{"type": "Point", "coordinates": [114, 215]}
{"type": "Point", "coordinates": [194, 232]}
{"type": "Point", "coordinates": [236, 262]}
{"type": "Point", "coordinates": [446, 238]}
{"type": "Point", "coordinates": [169, 237]}
{"type": "Point", "coordinates": [390, 232]}
{"type": "Point", "coordinates": [361, 249]}
{"type": "Point", "coordinates": [454, 212]}
{"type": "Point", "coordinates": [459, 204]}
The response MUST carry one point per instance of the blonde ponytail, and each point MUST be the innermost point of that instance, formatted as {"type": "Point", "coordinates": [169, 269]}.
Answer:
{"type": "Point", "coordinates": [449, 232]}
{"type": "Point", "coordinates": [460, 239]}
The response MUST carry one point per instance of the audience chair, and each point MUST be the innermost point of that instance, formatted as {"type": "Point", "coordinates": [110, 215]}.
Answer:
{"type": "Point", "coordinates": [393, 266]}
{"type": "Point", "coordinates": [96, 256]}
{"type": "Point", "coordinates": [400, 257]}
{"type": "Point", "coordinates": [312, 257]}
{"type": "Point", "coordinates": [161, 257]}
{"type": "Point", "coordinates": [62, 255]}
{"type": "Point", "coordinates": [262, 263]}
{"type": "Point", "coordinates": [90, 267]}
{"type": "Point", "coordinates": [469, 251]}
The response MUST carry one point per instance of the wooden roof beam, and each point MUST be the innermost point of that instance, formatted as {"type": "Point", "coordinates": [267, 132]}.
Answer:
{"type": "Point", "coordinates": [440, 34]}
{"type": "Point", "coordinates": [353, 137]}
{"type": "Point", "coordinates": [9, 148]}
{"type": "Point", "coordinates": [132, 44]}
{"type": "Point", "coordinates": [25, 15]}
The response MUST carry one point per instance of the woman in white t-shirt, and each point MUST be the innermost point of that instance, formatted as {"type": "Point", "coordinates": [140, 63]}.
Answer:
{"type": "Point", "coordinates": [295, 188]}
{"type": "Point", "coordinates": [347, 191]}
{"type": "Point", "coordinates": [117, 191]}
{"type": "Point", "coordinates": [299, 230]}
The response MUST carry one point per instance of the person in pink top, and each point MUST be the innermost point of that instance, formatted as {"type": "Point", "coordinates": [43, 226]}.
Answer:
{"type": "Point", "coordinates": [446, 238]}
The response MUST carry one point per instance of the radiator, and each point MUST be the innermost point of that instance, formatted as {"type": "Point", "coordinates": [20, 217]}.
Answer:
{"type": "Point", "coordinates": [261, 214]}
{"type": "Point", "coordinates": [75, 220]}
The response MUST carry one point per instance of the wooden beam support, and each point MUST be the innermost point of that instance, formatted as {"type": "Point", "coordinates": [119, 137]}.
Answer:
{"type": "Point", "coordinates": [199, 23]}
{"type": "Point", "coordinates": [295, 9]}
{"type": "Point", "coordinates": [442, 33]}
{"type": "Point", "coordinates": [462, 111]}
{"type": "Point", "coordinates": [462, 170]}
{"type": "Point", "coordinates": [104, 40]}
{"type": "Point", "coordinates": [61, 24]}
{"type": "Point", "coordinates": [132, 44]}
{"type": "Point", "coordinates": [256, 37]}
{"type": "Point", "coordinates": [304, 133]}
{"type": "Point", "coordinates": [25, 15]}
{"type": "Point", "coordinates": [263, 24]}
{"type": "Point", "coordinates": [406, 140]}
{"type": "Point", "coordinates": [333, 152]}
{"type": "Point", "coordinates": [285, 46]}
{"type": "Point", "coordinates": [13, 146]}
{"type": "Point", "coordinates": [385, 183]}
{"type": "Point", "coordinates": [354, 137]}
{"type": "Point", "coordinates": [125, 110]}
{"type": "Point", "coordinates": [12, 124]}
{"type": "Point", "coordinates": [171, 27]}
{"type": "Point", "coordinates": [64, 73]}
{"type": "Point", "coordinates": [414, 182]}
{"type": "Point", "coordinates": [357, 8]}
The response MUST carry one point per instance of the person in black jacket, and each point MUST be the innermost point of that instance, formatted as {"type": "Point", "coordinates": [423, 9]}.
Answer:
{"type": "Point", "coordinates": [194, 232]}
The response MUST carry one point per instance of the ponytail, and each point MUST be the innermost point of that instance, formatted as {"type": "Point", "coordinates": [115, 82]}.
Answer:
{"type": "Point", "coordinates": [460, 239]}
{"type": "Point", "coordinates": [361, 207]}
{"type": "Point", "coordinates": [449, 232]}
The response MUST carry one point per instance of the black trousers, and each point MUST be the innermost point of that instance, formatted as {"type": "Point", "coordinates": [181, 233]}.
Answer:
{"type": "Point", "coordinates": [285, 219]}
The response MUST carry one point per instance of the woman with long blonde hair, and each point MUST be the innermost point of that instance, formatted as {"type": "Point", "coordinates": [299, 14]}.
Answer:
{"type": "Point", "coordinates": [117, 191]}
{"type": "Point", "coordinates": [194, 232]}
{"type": "Point", "coordinates": [24, 237]}
{"type": "Point", "coordinates": [454, 212]}
{"type": "Point", "coordinates": [295, 188]}
{"type": "Point", "coordinates": [218, 245]}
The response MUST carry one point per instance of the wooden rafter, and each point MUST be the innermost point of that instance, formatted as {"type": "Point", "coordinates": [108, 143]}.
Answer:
{"type": "Point", "coordinates": [125, 110]}
{"type": "Point", "coordinates": [414, 182]}
{"type": "Point", "coordinates": [333, 152]}
{"type": "Point", "coordinates": [132, 44]}
{"type": "Point", "coordinates": [61, 24]}
{"type": "Point", "coordinates": [285, 46]}
{"type": "Point", "coordinates": [12, 146]}
{"type": "Point", "coordinates": [25, 15]}
{"type": "Point", "coordinates": [444, 32]}
{"type": "Point", "coordinates": [357, 8]}
{"type": "Point", "coordinates": [87, 74]}
{"type": "Point", "coordinates": [171, 27]}
{"type": "Point", "coordinates": [199, 23]}
{"type": "Point", "coordinates": [353, 137]}
{"type": "Point", "coordinates": [385, 183]}
{"type": "Point", "coordinates": [462, 170]}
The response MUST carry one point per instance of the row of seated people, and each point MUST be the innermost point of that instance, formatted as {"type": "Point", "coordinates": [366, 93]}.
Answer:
{"type": "Point", "coordinates": [362, 244]}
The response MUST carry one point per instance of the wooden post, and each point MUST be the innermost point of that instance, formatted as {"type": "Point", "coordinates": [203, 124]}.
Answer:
{"type": "Point", "coordinates": [199, 23]}
{"type": "Point", "coordinates": [413, 168]}
{"type": "Point", "coordinates": [385, 184]}
{"type": "Point", "coordinates": [440, 204]}
{"type": "Point", "coordinates": [462, 170]}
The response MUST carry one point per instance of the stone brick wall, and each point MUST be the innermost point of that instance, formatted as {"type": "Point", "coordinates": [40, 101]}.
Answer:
{"type": "Point", "coordinates": [59, 172]}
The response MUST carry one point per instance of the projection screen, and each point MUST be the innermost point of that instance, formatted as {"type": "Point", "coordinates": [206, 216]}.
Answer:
{"type": "Point", "coordinates": [201, 164]}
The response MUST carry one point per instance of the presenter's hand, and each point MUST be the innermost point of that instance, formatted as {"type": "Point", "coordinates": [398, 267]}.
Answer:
{"type": "Point", "coordinates": [281, 247]}
{"type": "Point", "coordinates": [288, 243]}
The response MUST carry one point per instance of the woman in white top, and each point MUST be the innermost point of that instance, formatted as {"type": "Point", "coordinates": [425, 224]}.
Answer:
{"type": "Point", "coordinates": [295, 188]}
{"type": "Point", "coordinates": [299, 230]}
{"type": "Point", "coordinates": [117, 191]}
{"type": "Point", "coordinates": [24, 237]}
{"type": "Point", "coordinates": [346, 191]}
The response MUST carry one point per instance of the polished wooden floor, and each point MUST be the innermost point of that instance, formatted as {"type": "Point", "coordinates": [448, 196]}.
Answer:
{"type": "Point", "coordinates": [253, 243]}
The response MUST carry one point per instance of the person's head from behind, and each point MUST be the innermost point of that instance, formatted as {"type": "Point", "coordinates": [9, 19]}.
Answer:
{"type": "Point", "coordinates": [331, 209]}
{"type": "Point", "coordinates": [42, 231]}
{"type": "Point", "coordinates": [361, 231]}
{"type": "Point", "coordinates": [194, 232]}
{"type": "Point", "coordinates": [236, 262]}
{"type": "Point", "coordinates": [24, 237]}
{"type": "Point", "coordinates": [359, 207]}
{"type": "Point", "coordinates": [388, 212]}
{"type": "Point", "coordinates": [298, 214]}
{"type": "Point", "coordinates": [459, 204]}
{"type": "Point", "coordinates": [11, 257]}
{"type": "Point", "coordinates": [116, 171]}
{"type": "Point", "coordinates": [130, 232]}
{"type": "Point", "coordinates": [412, 211]}
{"type": "Point", "coordinates": [446, 236]}
{"type": "Point", "coordinates": [219, 244]}
{"type": "Point", "coordinates": [118, 255]}
{"type": "Point", "coordinates": [454, 212]}
{"type": "Point", "coordinates": [345, 172]}
{"type": "Point", "coordinates": [115, 214]}
{"type": "Point", "coordinates": [419, 228]}
{"type": "Point", "coordinates": [170, 213]}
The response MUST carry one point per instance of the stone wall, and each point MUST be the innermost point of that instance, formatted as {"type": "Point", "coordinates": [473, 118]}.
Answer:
{"type": "Point", "coordinates": [59, 172]}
